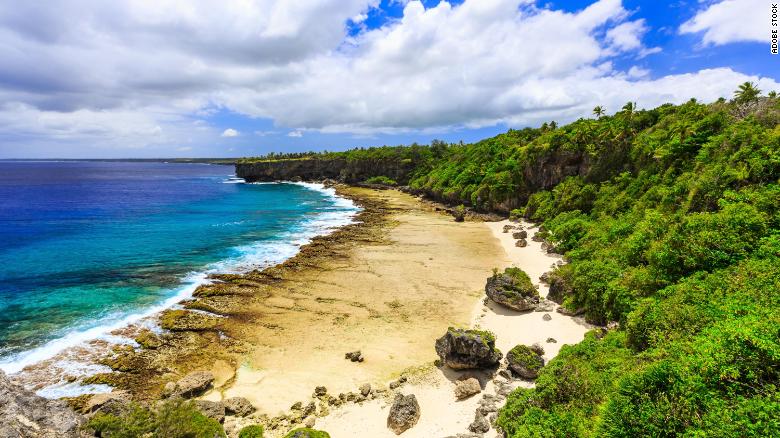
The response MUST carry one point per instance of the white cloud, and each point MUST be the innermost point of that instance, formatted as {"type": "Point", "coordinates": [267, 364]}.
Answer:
{"type": "Point", "coordinates": [731, 21]}
{"type": "Point", "coordinates": [297, 134]}
{"type": "Point", "coordinates": [230, 132]}
{"type": "Point", "coordinates": [154, 69]}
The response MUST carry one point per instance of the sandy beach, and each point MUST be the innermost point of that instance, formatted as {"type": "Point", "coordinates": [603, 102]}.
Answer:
{"type": "Point", "coordinates": [441, 414]}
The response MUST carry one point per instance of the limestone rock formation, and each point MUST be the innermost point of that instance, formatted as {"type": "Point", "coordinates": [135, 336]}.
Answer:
{"type": "Point", "coordinates": [462, 349]}
{"type": "Point", "coordinates": [526, 361]}
{"type": "Point", "coordinates": [513, 289]}
{"type": "Point", "coordinates": [466, 388]}
{"type": "Point", "coordinates": [404, 413]}
{"type": "Point", "coordinates": [24, 414]}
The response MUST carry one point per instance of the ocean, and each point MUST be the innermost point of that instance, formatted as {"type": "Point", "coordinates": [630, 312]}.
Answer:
{"type": "Point", "coordinates": [89, 247]}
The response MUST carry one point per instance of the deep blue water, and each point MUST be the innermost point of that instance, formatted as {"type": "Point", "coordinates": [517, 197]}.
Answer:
{"type": "Point", "coordinates": [85, 244]}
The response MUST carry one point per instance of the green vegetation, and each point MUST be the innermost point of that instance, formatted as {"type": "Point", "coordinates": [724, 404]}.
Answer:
{"type": "Point", "coordinates": [305, 432]}
{"type": "Point", "coordinates": [526, 356]}
{"type": "Point", "coordinates": [381, 180]}
{"type": "Point", "coordinates": [253, 431]}
{"type": "Point", "coordinates": [520, 283]}
{"type": "Point", "coordinates": [172, 419]}
{"type": "Point", "coordinates": [670, 220]}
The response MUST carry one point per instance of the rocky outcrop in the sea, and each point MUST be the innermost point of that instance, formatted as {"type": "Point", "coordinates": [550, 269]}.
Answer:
{"type": "Point", "coordinates": [462, 349]}
{"type": "Point", "coordinates": [526, 361]}
{"type": "Point", "coordinates": [24, 414]}
{"type": "Point", "coordinates": [191, 385]}
{"type": "Point", "coordinates": [513, 289]}
{"type": "Point", "coordinates": [404, 413]}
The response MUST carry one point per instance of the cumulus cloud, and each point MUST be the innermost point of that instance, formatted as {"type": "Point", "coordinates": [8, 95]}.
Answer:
{"type": "Point", "coordinates": [731, 21]}
{"type": "Point", "coordinates": [230, 132]}
{"type": "Point", "coordinates": [297, 134]}
{"type": "Point", "coordinates": [132, 73]}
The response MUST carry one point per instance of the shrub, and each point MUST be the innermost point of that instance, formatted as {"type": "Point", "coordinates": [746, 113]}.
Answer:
{"type": "Point", "coordinates": [381, 180]}
{"type": "Point", "coordinates": [172, 419]}
{"type": "Point", "coordinates": [253, 431]}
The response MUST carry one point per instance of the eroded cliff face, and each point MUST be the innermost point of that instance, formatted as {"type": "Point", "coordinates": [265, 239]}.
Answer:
{"type": "Point", "coordinates": [317, 169]}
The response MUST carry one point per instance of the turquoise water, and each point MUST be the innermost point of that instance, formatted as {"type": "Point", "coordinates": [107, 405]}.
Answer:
{"type": "Point", "coordinates": [89, 246]}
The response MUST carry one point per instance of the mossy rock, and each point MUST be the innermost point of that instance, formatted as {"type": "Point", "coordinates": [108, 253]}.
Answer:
{"type": "Point", "coordinates": [468, 349]}
{"type": "Point", "coordinates": [147, 339]}
{"type": "Point", "coordinates": [182, 320]}
{"type": "Point", "coordinates": [253, 431]}
{"type": "Point", "coordinates": [513, 289]}
{"type": "Point", "coordinates": [306, 432]}
{"type": "Point", "coordinates": [526, 361]}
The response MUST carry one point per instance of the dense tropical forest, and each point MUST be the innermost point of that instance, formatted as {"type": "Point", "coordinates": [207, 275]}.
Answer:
{"type": "Point", "coordinates": [670, 221]}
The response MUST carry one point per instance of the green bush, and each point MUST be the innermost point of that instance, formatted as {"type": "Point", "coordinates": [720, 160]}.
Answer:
{"type": "Point", "coordinates": [172, 419]}
{"type": "Point", "coordinates": [381, 180]}
{"type": "Point", "coordinates": [253, 431]}
{"type": "Point", "coordinates": [306, 432]}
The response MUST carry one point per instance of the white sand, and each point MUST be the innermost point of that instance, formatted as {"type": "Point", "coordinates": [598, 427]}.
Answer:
{"type": "Point", "coordinates": [441, 414]}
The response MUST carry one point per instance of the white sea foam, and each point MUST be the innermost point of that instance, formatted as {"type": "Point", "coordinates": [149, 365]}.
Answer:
{"type": "Point", "coordinates": [253, 256]}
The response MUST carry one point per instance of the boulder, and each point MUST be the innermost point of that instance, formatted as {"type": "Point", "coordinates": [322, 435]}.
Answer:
{"type": "Point", "coordinates": [551, 341]}
{"type": "Point", "coordinates": [480, 424]}
{"type": "Point", "coordinates": [513, 289]}
{"type": "Point", "coordinates": [213, 410]}
{"type": "Point", "coordinates": [462, 349]}
{"type": "Point", "coordinates": [521, 243]}
{"type": "Point", "coordinates": [354, 356]}
{"type": "Point", "coordinates": [25, 414]}
{"type": "Point", "coordinates": [365, 389]}
{"type": "Point", "coordinates": [320, 391]}
{"type": "Point", "coordinates": [522, 234]}
{"type": "Point", "coordinates": [306, 432]}
{"type": "Point", "coordinates": [559, 286]}
{"type": "Point", "coordinates": [238, 406]}
{"type": "Point", "coordinates": [507, 228]}
{"type": "Point", "coordinates": [404, 413]}
{"type": "Point", "coordinates": [466, 388]}
{"type": "Point", "coordinates": [526, 361]}
{"type": "Point", "coordinates": [107, 402]}
{"type": "Point", "coordinates": [546, 317]}
{"type": "Point", "coordinates": [191, 385]}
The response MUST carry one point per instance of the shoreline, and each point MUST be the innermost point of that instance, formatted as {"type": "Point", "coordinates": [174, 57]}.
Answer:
{"type": "Point", "coordinates": [272, 335]}
{"type": "Point", "coordinates": [55, 368]}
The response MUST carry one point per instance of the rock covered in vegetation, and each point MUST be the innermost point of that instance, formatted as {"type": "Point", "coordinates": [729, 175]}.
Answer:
{"type": "Point", "coordinates": [307, 432]}
{"type": "Point", "coordinates": [466, 388]}
{"type": "Point", "coordinates": [526, 361]}
{"type": "Point", "coordinates": [147, 339]}
{"type": "Point", "coordinates": [24, 414]}
{"type": "Point", "coordinates": [513, 289]}
{"type": "Point", "coordinates": [462, 349]}
{"type": "Point", "coordinates": [253, 431]}
{"type": "Point", "coordinates": [560, 288]}
{"type": "Point", "coordinates": [191, 385]}
{"type": "Point", "coordinates": [404, 413]}
{"type": "Point", "coordinates": [459, 213]}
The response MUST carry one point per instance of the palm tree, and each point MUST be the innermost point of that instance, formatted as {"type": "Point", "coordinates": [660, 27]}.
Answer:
{"type": "Point", "coordinates": [772, 94]}
{"type": "Point", "coordinates": [746, 92]}
{"type": "Point", "coordinates": [629, 107]}
{"type": "Point", "coordinates": [598, 110]}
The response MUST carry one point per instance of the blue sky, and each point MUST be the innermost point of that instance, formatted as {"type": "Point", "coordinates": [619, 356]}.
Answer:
{"type": "Point", "coordinates": [87, 78]}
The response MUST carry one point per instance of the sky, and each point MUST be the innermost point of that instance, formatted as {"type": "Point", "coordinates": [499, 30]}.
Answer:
{"type": "Point", "coordinates": [192, 78]}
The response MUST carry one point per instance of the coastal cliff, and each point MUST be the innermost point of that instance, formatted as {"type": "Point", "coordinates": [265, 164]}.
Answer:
{"type": "Point", "coordinates": [315, 169]}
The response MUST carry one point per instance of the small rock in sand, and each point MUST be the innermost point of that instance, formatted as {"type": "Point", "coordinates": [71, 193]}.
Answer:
{"type": "Point", "coordinates": [191, 385]}
{"type": "Point", "coordinates": [365, 389]}
{"type": "Point", "coordinates": [354, 356]}
{"type": "Point", "coordinates": [521, 243]}
{"type": "Point", "coordinates": [551, 341]}
{"type": "Point", "coordinates": [397, 383]}
{"type": "Point", "coordinates": [466, 388]}
{"type": "Point", "coordinates": [522, 234]}
{"type": "Point", "coordinates": [547, 317]}
{"type": "Point", "coordinates": [404, 413]}
{"type": "Point", "coordinates": [320, 391]}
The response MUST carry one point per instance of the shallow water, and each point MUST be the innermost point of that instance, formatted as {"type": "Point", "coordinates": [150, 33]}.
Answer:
{"type": "Point", "coordinates": [86, 247]}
